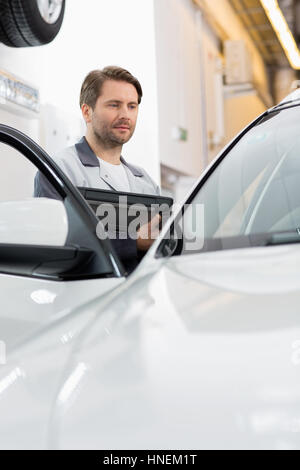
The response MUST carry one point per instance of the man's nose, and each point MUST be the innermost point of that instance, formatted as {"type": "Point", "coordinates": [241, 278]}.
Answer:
{"type": "Point", "coordinates": [124, 112]}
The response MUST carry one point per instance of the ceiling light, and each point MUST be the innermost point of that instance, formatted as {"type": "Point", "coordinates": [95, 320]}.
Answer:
{"type": "Point", "coordinates": [283, 32]}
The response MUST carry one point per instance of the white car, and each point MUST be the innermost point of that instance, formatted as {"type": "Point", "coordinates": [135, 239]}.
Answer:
{"type": "Point", "coordinates": [200, 347]}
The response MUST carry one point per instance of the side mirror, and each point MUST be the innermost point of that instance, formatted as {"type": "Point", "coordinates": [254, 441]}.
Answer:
{"type": "Point", "coordinates": [36, 221]}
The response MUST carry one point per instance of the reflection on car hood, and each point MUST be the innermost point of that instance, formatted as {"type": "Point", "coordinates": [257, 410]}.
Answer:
{"type": "Point", "coordinates": [251, 271]}
{"type": "Point", "coordinates": [193, 360]}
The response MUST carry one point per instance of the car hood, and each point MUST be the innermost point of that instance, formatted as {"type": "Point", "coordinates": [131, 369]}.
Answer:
{"type": "Point", "coordinates": [205, 353]}
{"type": "Point", "coordinates": [201, 351]}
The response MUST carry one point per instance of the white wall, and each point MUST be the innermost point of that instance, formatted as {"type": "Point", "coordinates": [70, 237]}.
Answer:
{"type": "Point", "coordinates": [188, 51]}
{"type": "Point", "coordinates": [179, 81]}
{"type": "Point", "coordinates": [96, 33]}
{"type": "Point", "coordinates": [214, 95]}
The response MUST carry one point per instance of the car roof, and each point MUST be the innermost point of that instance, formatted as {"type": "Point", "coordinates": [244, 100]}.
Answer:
{"type": "Point", "coordinates": [292, 97]}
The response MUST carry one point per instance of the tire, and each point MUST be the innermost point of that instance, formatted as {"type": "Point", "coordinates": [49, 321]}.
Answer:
{"type": "Point", "coordinates": [22, 25]}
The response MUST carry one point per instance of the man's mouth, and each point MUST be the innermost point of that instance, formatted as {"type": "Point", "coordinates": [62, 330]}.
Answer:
{"type": "Point", "coordinates": [122, 126]}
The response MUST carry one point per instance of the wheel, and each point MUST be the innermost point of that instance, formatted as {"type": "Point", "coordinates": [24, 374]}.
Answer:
{"type": "Point", "coordinates": [27, 23]}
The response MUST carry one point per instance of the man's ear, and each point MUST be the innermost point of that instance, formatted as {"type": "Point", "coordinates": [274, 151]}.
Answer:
{"type": "Point", "coordinates": [86, 113]}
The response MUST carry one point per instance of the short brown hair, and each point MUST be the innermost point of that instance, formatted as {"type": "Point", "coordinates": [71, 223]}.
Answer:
{"type": "Point", "coordinates": [93, 82]}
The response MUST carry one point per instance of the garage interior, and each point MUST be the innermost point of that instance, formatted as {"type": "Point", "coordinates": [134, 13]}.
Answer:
{"type": "Point", "coordinates": [225, 59]}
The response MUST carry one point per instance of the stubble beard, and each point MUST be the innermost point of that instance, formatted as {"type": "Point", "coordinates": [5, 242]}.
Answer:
{"type": "Point", "coordinates": [106, 137]}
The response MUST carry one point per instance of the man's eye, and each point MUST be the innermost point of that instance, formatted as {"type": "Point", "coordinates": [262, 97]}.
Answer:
{"type": "Point", "coordinates": [113, 105]}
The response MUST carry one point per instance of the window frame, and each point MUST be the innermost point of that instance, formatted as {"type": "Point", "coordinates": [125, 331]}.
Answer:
{"type": "Point", "coordinates": [78, 211]}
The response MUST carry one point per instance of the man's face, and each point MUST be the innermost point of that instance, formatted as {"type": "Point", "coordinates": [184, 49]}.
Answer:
{"type": "Point", "coordinates": [113, 119]}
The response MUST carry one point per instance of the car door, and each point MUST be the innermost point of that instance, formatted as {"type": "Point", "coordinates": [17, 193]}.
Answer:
{"type": "Point", "coordinates": [51, 259]}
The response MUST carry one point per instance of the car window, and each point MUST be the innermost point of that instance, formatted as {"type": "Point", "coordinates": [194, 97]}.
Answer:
{"type": "Point", "coordinates": [231, 223]}
{"type": "Point", "coordinates": [253, 194]}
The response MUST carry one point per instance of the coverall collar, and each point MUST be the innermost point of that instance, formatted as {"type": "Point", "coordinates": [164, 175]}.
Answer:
{"type": "Point", "coordinates": [88, 157]}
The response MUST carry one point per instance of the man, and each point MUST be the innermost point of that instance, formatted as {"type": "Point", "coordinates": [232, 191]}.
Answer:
{"type": "Point", "coordinates": [109, 101]}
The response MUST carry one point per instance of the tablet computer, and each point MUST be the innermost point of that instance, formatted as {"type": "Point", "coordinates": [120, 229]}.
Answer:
{"type": "Point", "coordinates": [117, 209]}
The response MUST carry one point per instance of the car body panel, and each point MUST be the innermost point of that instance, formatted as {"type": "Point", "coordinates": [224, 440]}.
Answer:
{"type": "Point", "coordinates": [292, 97]}
{"type": "Point", "coordinates": [193, 363]}
{"type": "Point", "coordinates": [177, 361]}
{"type": "Point", "coordinates": [28, 304]}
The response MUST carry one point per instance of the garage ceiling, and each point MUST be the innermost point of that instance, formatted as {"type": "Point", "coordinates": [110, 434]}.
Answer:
{"type": "Point", "coordinates": [261, 31]}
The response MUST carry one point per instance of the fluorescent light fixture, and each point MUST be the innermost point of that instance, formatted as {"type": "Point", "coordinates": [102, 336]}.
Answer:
{"type": "Point", "coordinates": [283, 32]}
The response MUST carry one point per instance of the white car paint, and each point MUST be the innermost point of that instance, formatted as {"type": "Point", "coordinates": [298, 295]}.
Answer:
{"type": "Point", "coordinates": [30, 303]}
{"type": "Point", "coordinates": [178, 360]}
{"type": "Point", "coordinates": [294, 96]}
{"type": "Point", "coordinates": [192, 363]}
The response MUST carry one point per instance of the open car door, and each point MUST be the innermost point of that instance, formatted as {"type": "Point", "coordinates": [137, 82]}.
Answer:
{"type": "Point", "coordinates": [51, 259]}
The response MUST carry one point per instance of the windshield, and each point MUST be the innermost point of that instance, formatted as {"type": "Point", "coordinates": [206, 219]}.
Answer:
{"type": "Point", "coordinates": [254, 193]}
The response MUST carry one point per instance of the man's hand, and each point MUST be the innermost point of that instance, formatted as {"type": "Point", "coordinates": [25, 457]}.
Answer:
{"type": "Point", "coordinates": [148, 233]}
